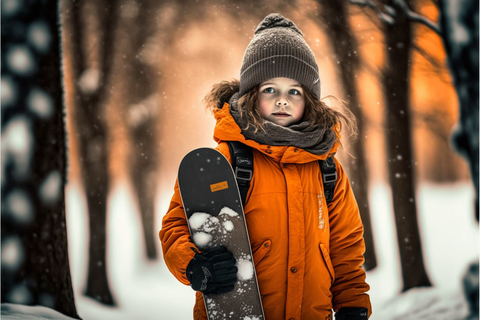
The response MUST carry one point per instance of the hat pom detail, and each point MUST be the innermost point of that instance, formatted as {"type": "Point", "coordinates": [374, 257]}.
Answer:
{"type": "Point", "coordinates": [276, 20]}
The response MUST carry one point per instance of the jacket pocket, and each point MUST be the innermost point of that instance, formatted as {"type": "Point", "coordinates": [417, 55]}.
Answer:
{"type": "Point", "coordinates": [262, 251]}
{"type": "Point", "coordinates": [328, 262]}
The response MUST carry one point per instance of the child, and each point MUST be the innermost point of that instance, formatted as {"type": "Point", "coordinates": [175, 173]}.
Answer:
{"type": "Point", "coordinates": [308, 256]}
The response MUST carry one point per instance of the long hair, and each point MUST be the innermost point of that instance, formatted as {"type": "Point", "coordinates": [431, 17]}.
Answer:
{"type": "Point", "coordinates": [316, 111]}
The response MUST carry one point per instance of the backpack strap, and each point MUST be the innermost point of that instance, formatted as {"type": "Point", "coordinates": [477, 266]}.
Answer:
{"type": "Point", "coordinates": [242, 165]}
{"type": "Point", "coordinates": [329, 176]}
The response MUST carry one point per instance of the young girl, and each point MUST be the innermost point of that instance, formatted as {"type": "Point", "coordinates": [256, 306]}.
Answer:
{"type": "Point", "coordinates": [308, 255]}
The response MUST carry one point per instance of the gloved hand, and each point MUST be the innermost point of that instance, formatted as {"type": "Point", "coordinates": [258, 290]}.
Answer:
{"type": "Point", "coordinates": [352, 314]}
{"type": "Point", "coordinates": [213, 271]}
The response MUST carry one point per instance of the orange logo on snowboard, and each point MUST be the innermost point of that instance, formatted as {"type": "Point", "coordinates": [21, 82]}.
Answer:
{"type": "Point", "coordinates": [219, 186]}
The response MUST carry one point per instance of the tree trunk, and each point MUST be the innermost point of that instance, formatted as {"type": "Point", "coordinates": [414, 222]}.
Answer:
{"type": "Point", "coordinates": [142, 111]}
{"type": "Point", "coordinates": [35, 264]}
{"type": "Point", "coordinates": [399, 146]}
{"type": "Point", "coordinates": [88, 114]}
{"type": "Point", "coordinates": [134, 99]}
{"type": "Point", "coordinates": [143, 104]}
{"type": "Point", "coordinates": [459, 24]}
{"type": "Point", "coordinates": [346, 49]}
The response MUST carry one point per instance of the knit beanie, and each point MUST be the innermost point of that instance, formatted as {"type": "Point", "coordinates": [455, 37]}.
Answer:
{"type": "Point", "coordinates": [278, 49]}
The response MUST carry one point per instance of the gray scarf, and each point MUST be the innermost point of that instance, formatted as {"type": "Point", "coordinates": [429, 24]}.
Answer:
{"type": "Point", "coordinates": [312, 138]}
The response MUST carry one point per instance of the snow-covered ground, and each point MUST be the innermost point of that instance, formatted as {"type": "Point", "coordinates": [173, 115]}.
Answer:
{"type": "Point", "coordinates": [146, 290]}
{"type": "Point", "coordinates": [450, 239]}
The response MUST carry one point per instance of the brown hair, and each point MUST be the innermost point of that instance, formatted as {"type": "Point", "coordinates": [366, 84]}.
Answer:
{"type": "Point", "coordinates": [316, 110]}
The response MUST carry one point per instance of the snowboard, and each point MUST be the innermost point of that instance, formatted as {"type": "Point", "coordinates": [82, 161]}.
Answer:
{"type": "Point", "coordinates": [215, 216]}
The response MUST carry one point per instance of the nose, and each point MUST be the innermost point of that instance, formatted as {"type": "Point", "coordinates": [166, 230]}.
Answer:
{"type": "Point", "coordinates": [282, 102]}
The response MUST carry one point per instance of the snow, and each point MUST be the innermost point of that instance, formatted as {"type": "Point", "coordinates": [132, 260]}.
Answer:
{"type": "Point", "coordinates": [38, 35]}
{"type": "Point", "coordinates": [202, 239]}
{"type": "Point", "coordinates": [12, 253]}
{"type": "Point", "coordinates": [386, 18]}
{"type": "Point", "coordinates": [141, 112]}
{"type": "Point", "coordinates": [50, 187]}
{"type": "Point", "coordinates": [40, 103]}
{"type": "Point", "coordinates": [147, 290]}
{"type": "Point", "coordinates": [89, 80]}
{"type": "Point", "coordinates": [449, 236]}
{"type": "Point", "coordinates": [11, 311]}
{"type": "Point", "coordinates": [143, 289]}
{"type": "Point", "coordinates": [11, 7]}
{"type": "Point", "coordinates": [198, 219]}
{"type": "Point", "coordinates": [203, 224]}
{"type": "Point", "coordinates": [424, 304]}
{"type": "Point", "coordinates": [206, 227]}
{"type": "Point", "coordinates": [17, 204]}
{"type": "Point", "coordinates": [228, 225]}
{"type": "Point", "coordinates": [9, 92]}
{"type": "Point", "coordinates": [228, 211]}
{"type": "Point", "coordinates": [20, 60]}
{"type": "Point", "coordinates": [17, 144]}
{"type": "Point", "coordinates": [245, 269]}
{"type": "Point", "coordinates": [19, 294]}
{"type": "Point", "coordinates": [459, 32]}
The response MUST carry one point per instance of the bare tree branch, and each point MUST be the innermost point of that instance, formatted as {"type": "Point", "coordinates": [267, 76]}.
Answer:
{"type": "Point", "coordinates": [434, 62]}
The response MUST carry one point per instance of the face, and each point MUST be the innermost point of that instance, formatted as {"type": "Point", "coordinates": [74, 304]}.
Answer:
{"type": "Point", "coordinates": [281, 101]}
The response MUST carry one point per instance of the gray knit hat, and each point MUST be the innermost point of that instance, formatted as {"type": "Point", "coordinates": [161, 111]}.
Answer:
{"type": "Point", "coordinates": [279, 50]}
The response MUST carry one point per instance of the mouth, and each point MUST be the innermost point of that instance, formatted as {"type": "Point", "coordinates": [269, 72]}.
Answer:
{"type": "Point", "coordinates": [281, 114]}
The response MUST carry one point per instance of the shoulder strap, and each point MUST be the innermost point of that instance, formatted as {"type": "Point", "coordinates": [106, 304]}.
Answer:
{"type": "Point", "coordinates": [329, 176]}
{"type": "Point", "coordinates": [242, 164]}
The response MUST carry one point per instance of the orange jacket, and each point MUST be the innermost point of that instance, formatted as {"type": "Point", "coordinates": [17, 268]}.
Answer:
{"type": "Point", "coordinates": [308, 256]}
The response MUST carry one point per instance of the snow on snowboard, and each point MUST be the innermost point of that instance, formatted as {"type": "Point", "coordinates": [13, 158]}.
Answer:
{"type": "Point", "coordinates": [215, 217]}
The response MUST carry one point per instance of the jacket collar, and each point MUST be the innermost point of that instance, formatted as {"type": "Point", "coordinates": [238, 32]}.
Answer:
{"type": "Point", "coordinates": [226, 129]}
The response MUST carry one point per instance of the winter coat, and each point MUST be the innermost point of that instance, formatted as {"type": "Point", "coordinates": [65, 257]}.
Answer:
{"type": "Point", "coordinates": [308, 256]}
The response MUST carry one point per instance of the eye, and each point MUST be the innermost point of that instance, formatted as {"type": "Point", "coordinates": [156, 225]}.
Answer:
{"type": "Point", "coordinates": [268, 90]}
{"type": "Point", "coordinates": [295, 92]}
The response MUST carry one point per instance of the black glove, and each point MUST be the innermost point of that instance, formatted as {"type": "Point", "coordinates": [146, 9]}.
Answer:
{"type": "Point", "coordinates": [352, 314]}
{"type": "Point", "coordinates": [213, 271]}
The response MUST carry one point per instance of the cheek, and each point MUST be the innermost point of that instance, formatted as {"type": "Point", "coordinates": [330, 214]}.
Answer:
{"type": "Point", "coordinates": [299, 110]}
{"type": "Point", "coordinates": [263, 107]}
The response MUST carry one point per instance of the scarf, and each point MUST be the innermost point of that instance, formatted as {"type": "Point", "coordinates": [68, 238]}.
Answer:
{"type": "Point", "coordinates": [313, 138]}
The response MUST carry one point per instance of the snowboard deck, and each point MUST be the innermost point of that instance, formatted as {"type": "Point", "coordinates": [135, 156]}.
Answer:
{"type": "Point", "coordinates": [215, 216]}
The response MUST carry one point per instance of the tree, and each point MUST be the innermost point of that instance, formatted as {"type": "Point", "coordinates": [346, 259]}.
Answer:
{"type": "Point", "coordinates": [35, 265]}
{"type": "Point", "coordinates": [335, 17]}
{"type": "Point", "coordinates": [136, 71]}
{"type": "Point", "coordinates": [398, 38]}
{"type": "Point", "coordinates": [399, 150]}
{"type": "Point", "coordinates": [459, 31]}
{"type": "Point", "coordinates": [458, 28]}
{"type": "Point", "coordinates": [143, 115]}
{"type": "Point", "coordinates": [91, 86]}
{"type": "Point", "coordinates": [142, 108]}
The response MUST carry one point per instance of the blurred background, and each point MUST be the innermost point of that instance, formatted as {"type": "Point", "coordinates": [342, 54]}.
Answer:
{"type": "Point", "coordinates": [105, 97]}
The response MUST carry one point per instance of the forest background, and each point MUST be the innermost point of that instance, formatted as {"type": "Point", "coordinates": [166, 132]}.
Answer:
{"type": "Point", "coordinates": [129, 76]}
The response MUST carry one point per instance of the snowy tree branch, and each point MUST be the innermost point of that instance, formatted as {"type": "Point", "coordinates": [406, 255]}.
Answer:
{"type": "Point", "coordinates": [389, 16]}
{"type": "Point", "coordinates": [386, 18]}
{"type": "Point", "coordinates": [413, 16]}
